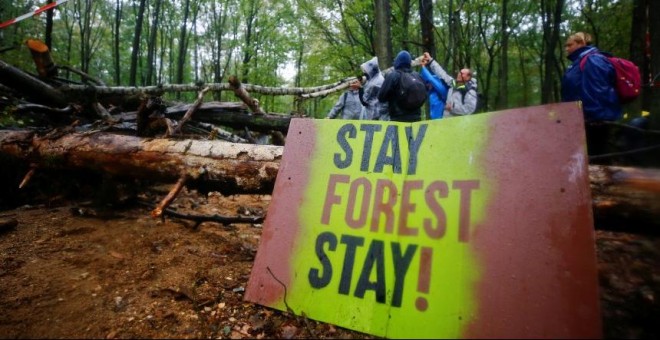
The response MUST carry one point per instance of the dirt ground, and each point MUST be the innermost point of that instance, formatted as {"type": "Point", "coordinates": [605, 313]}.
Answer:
{"type": "Point", "coordinates": [70, 271]}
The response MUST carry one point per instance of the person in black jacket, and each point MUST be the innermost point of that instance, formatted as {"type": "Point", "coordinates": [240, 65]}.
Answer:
{"type": "Point", "coordinates": [389, 90]}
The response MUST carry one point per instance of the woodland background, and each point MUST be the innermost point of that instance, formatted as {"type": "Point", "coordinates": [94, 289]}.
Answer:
{"type": "Point", "coordinates": [65, 264]}
{"type": "Point", "coordinates": [514, 46]}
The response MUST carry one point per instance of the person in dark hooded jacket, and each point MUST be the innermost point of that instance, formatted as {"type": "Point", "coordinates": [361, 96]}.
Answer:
{"type": "Point", "coordinates": [593, 84]}
{"type": "Point", "coordinates": [388, 91]}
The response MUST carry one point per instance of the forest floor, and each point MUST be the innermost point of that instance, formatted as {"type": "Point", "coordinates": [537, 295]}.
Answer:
{"type": "Point", "coordinates": [69, 271]}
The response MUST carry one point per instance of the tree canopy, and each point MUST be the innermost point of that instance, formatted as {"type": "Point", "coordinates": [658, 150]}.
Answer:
{"type": "Point", "coordinates": [515, 47]}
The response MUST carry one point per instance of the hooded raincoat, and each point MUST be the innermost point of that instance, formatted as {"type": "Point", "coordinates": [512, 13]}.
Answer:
{"type": "Point", "coordinates": [372, 108]}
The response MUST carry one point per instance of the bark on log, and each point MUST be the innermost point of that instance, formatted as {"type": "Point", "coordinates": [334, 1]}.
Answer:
{"type": "Point", "coordinates": [625, 198]}
{"type": "Point", "coordinates": [227, 114]}
{"type": "Point", "coordinates": [42, 59]}
{"type": "Point", "coordinates": [241, 93]}
{"type": "Point", "coordinates": [220, 166]}
{"type": "Point", "coordinates": [621, 195]}
{"type": "Point", "coordinates": [31, 87]}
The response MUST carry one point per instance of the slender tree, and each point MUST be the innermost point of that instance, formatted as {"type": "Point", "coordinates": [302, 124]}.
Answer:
{"type": "Point", "coordinates": [135, 52]}
{"type": "Point", "coordinates": [426, 21]}
{"type": "Point", "coordinates": [151, 46]}
{"type": "Point", "coordinates": [116, 36]}
{"type": "Point", "coordinates": [183, 37]}
{"type": "Point", "coordinates": [383, 40]}
{"type": "Point", "coordinates": [251, 16]}
{"type": "Point", "coordinates": [654, 50]}
{"type": "Point", "coordinates": [49, 27]}
{"type": "Point", "coordinates": [503, 72]}
{"type": "Point", "coordinates": [551, 16]}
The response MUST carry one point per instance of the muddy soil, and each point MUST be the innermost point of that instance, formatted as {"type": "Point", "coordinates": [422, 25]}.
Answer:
{"type": "Point", "coordinates": [69, 270]}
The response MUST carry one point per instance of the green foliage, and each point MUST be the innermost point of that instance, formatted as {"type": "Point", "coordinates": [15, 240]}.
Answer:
{"type": "Point", "coordinates": [322, 40]}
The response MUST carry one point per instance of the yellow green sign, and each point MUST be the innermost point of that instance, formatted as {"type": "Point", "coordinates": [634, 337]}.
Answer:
{"type": "Point", "coordinates": [436, 229]}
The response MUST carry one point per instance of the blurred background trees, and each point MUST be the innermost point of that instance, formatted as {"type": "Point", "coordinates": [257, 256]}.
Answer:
{"type": "Point", "coordinates": [515, 47]}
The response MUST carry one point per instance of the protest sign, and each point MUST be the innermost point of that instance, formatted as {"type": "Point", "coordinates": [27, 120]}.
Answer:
{"type": "Point", "coordinates": [478, 226]}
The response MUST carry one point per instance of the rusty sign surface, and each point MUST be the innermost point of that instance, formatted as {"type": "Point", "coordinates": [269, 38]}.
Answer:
{"type": "Point", "coordinates": [478, 226]}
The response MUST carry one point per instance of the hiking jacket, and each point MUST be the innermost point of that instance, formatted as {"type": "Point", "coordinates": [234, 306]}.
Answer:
{"type": "Point", "coordinates": [594, 85]}
{"type": "Point", "coordinates": [437, 93]}
{"type": "Point", "coordinates": [372, 108]}
{"type": "Point", "coordinates": [348, 104]}
{"type": "Point", "coordinates": [461, 98]}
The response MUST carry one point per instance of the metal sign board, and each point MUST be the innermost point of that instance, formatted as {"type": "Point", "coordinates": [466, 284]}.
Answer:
{"type": "Point", "coordinates": [478, 226]}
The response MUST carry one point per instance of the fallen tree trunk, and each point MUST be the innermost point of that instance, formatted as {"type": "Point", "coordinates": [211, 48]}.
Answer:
{"type": "Point", "coordinates": [228, 168]}
{"type": "Point", "coordinates": [620, 194]}
{"type": "Point", "coordinates": [229, 114]}
{"type": "Point", "coordinates": [38, 91]}
{"type": "Point", "coordinates": [624, 197]}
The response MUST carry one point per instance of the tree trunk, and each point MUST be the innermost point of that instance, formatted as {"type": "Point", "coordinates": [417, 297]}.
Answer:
{"type": "Point", "coordinates": [638, 51]}
{"type": "Point", "coordinates": [135, 53]}
{"type": "Point", "coordinates": [43, 60]}
{"type": "Point", "coordinates": [503, 77]}
{"type": "Point", "coordinates": [621, 196]}
{"type": "Point", "coordinates": [49, 27]}
{"type": "Point", "coordinates": [35, 89]}
{"type": "Point", "coordinates": [231, 114]}
{"type": "Point", "coordinates": [220, 166]}
{"type": "Point", "coordinates": [625, 198]}
{"type": "Point", "coordinates": [151, 48]}
{"type": "Point", "coordinates": [250, 27]}
{"type": "Point", "coordinates": [426, 21]}
{"type": "Point", "coordinates": [383, 33]}
{"type": "Point", "coordinates": [654, 36]}
{"type": "Point", "coordinates": [181, 60]}
{"type": "Point", "coordinates": [405, 25]}
{"type": "Point", "coordinates": [116, 39]}
{"type": "Point", "coordinates": [551, 26]}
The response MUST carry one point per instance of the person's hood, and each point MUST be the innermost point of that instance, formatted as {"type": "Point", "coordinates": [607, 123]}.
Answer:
{"type": "Point", "coordinates": [472, 83]}
{"type": "Point", "coordinates": [370, 67]}
{"type": "Point", "coordinates": [403, 60]}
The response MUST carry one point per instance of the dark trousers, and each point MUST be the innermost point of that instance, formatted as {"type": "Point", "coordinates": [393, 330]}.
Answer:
{"type": "Point", "coordinates": [599, 140]}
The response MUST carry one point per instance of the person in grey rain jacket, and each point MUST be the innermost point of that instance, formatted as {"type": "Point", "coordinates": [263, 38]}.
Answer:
{"type": "Point", "coordinates": [348, 104]}
{"type": "Point", "coordinates": [373, 110]}
{"type": "Point", "coordinates": [462, 95]}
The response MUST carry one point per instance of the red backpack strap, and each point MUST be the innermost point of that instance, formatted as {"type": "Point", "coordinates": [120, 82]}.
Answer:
{"type": "Point", "coordinates": [584, 61]}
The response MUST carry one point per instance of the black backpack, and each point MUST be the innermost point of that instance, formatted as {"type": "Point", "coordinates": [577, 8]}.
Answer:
{"type": "Point", "coordinates": [411, 94]}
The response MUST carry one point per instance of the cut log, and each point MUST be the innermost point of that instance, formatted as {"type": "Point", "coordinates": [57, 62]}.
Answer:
{"type": "Point", "coordinates": [622, 196]}
{"type": "Point", "coordinates": [228, 168]}
{"type": "Point", "coordinates": [42, 59]}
